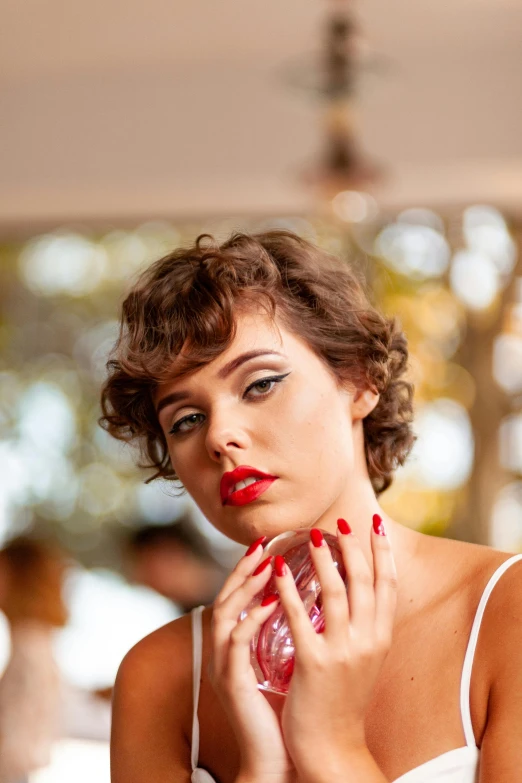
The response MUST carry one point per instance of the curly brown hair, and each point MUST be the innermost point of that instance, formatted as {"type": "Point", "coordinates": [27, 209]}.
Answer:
{"type": "Point", "coordinates": [189, 299]}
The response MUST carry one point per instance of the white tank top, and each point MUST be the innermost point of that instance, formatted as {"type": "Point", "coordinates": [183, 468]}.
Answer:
{"type": "Point", "coordinates": [459, 765]}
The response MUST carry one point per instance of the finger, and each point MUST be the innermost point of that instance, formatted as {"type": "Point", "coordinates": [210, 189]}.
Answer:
{"type": "Point", "coordinates": [333, 589]}
{"type": "Point", "coordinates": [225, 616]}
{"type": "Point", "coordinates": [301, 628]}
{"type": "Point", "coordinates": [239, 599]}
{"type": "Point", "coordinates": [361, 596]}
{"type": "Point", "coordinates": [385, 579]}
{"type": "Point", "coordinates": [243, 568]}
{"type": "Point", "coordinates": [239, 662]}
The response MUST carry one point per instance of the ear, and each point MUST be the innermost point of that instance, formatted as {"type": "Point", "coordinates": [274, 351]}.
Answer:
{"type": "Point", "coordinates": [364, 401]}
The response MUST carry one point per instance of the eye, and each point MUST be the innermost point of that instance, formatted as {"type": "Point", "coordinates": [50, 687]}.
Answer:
{"type": "Point", "coordinates": [266, 390]}
{"type": "Point", "coordinates": [188, 423]}
{"type": "Point", "coordinates": [190, 419]}
{"type": "Point", "coordinates": [263, 385]}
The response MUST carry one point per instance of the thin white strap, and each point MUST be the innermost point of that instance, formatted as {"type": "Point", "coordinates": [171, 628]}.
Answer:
{"type": "Point", "coordinates": [197, 654]}
{"type": "Point", "coordinates": [470, 652]}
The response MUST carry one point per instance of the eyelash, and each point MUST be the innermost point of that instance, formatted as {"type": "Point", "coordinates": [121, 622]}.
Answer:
{"type": "Point", "coordinates": [272, 379]}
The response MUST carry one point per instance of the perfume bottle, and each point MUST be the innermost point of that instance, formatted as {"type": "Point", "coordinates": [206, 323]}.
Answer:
{"type": "Point", "coordinates": [272, 649]}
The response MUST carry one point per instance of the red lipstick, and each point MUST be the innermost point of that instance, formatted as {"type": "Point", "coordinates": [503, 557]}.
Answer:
{"type": "Point", "coordinates": [246, 495]}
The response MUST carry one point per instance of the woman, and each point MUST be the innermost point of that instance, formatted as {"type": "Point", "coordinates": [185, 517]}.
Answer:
{"type": "Point", "coordinates": [31, 575]}
{"type": "Point", "coordinates": [263, 357]}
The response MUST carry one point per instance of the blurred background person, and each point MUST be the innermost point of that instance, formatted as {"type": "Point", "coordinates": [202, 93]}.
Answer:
{"type": "Point", "coordinates": [39, 705]}
{"type": "Point", "coordinates": [31, 578]}
{"type": "Point", "coordinates": [176, 561]}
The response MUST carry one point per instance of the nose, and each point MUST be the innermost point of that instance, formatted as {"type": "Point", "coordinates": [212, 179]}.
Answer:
{"type": "Point", "coordinates": [225, 435]}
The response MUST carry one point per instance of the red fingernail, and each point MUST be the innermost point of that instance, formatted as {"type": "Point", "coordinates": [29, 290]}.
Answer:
{"type": "Point", "coordinates": [262, 565]}
{"type": "Point", "coordinates": [316, 536]}
{"type": "Point", "coordinates": [252, 548]}
{"type": "Point", "coordinates": [344, 527]}
{"type": "Point", "coordinates": [378, 525]}
{"type": "Point", "coordinates": [280, 565]}
{"type": "Point", "coordinates": [269, 599]}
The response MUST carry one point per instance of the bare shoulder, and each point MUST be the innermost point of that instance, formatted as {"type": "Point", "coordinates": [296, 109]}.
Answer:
{"type": "Point", "coordinates": [161, 655]}
{"type": "Point", "coordinates": [152, 706]}
{"type": "Point", "coordinates": [461, 571]}
{"type": "Point", "coordinates": [497, 667]}
{"type": "Point", "coordinates": [479, 563]}
{"type": "Point", "coordinates": [469, 565]}
{"type": "Point", "coordinates": [500, 638]}
{"type": "Point", "coordinates": [502, 623]}
{"type": "Point", "coordinates": [500, 642]}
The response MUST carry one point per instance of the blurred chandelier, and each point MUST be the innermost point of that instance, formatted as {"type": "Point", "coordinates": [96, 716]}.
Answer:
{"type": "Point", "coordinates": [333, 77]}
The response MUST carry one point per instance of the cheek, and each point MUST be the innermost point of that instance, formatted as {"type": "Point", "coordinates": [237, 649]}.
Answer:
{"type": "Point", "coordinates": [185, 459]}
{"type": "Point", "coordinates": [321, 429]}
{"type": "Point", "coordinates": [200, 482]}
{"type": "Point", "coordinates": [189, 466]}
{"type": "Point", "coordinates": [323, 450]}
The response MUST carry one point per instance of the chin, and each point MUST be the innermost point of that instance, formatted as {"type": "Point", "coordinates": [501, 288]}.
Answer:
{"type": "Point", "coordinates": [268, 523]}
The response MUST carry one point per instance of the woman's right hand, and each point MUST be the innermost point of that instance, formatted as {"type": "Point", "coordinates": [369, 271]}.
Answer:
{"type": "Point", "coordinates": [264, 758]}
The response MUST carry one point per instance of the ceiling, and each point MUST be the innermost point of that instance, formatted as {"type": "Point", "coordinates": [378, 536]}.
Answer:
{"type": "Point", "coordinates": [118, 110]}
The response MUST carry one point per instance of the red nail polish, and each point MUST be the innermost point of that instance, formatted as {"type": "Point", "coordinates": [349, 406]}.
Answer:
{"type": "Point", "coordinates": [269, 599]}
{"type": "Point", "coordinates": [252, 548]}
{"type": "Point", "coordinates": [280, 565]}
{"type": "Point", "coordinates": [262, 565]}
{"type": "Point", "coordinates": [344, 527]}
{"type": "Point", "coordinates": [316, 536]}
{"type": "Point", "coordinates": [378, 525]}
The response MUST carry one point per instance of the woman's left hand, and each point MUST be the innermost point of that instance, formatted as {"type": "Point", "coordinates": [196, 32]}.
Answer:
{"type": "Point", "coordinates": [335, 671]}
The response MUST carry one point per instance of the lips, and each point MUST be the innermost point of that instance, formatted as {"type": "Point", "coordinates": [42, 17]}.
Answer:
{"type": "Point", "coordinates": [247, 494]}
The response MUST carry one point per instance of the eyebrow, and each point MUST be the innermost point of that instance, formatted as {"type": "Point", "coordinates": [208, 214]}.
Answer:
{"type": "Point", "coordinates": [225, 371]}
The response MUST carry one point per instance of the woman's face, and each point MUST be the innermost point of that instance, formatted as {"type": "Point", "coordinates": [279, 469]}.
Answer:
{"type": "Point", "coordinates": [296, 426]}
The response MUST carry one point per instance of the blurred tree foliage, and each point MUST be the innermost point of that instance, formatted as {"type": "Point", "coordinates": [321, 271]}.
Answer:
{"type": "Point", "coordinates": [60, 294]}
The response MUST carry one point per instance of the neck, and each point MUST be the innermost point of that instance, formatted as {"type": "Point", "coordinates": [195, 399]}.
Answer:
{"type": "Point", "coordinates": [357, 504]}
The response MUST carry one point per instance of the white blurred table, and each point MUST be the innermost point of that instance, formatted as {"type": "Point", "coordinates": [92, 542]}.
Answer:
{"type": "Point", "coordinates": [81, 761]}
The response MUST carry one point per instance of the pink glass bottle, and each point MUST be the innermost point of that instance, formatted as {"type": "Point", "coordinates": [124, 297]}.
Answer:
{"type": "Point", "coordinates": [272, 649]}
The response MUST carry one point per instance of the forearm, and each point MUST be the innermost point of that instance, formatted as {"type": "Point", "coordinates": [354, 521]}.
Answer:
{"type": "Point", "coordinates": [357, 766]}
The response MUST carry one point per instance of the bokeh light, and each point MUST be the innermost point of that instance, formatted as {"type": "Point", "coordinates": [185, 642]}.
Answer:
{"type": "Point", "coordinates": [63, 263]}
{"type": "Point", "coordinates": [354, 207]}
{"type": "Point", "coordinates": [442, 457]}
{"type": "Point", "coordinates": [506, 522]}
{"type": "Point", "coordinates": [507, 362]}
{"type": "Point", "coordinates": [46, 420]}
{"type": "Point", "coordinates": [510, 439]}
{"type": "Point", "coordinates": [418, 251]}
{"type": "Point", "coordinates": [93, 347]}
{"type": "Point", "coordinates": [486, 232]}
{"type": "Point", "coordinates": [418, 216]}
{"type": "Point", "coordinates": [475, 279]}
